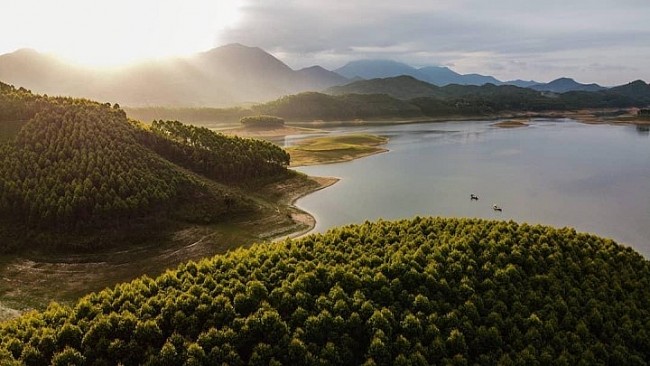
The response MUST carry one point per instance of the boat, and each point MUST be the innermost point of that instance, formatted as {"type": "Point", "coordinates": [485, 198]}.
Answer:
{"type": "Point", "coordinates": [496, 208]}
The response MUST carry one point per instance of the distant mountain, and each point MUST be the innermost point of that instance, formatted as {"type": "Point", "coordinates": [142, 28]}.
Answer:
{"type": "Point", "coordinates": [478, 79]}
{"type": "Point", "coordinates": [521, 83]}
{"type": "Point", "coordinates": [31, 69]}
{"type": "Point", "coordinates": [400, 87]}
{"type": "Point", "coordinates": [638, 90]}
{"type": "Point", "coordinates": [227, 75]}
{"type": "Point", "coordinates": [563, 85]}
{"type": "Point", "coordinates": [318, 78]}
{"type": "Point", "coordinates": [437, 75]}
{"type": "Point", "coordinates": [373, 69]}
{"type": "Point", "coordinates": [408, 87]}
{"type": "Point", "coordinates": [440, 76]}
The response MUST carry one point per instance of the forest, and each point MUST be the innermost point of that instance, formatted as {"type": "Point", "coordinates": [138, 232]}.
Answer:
{"type": "Point", "coordinates": [405, 98]}
{"type": "Point", "coordinates": [411, 292]}
{"type": "Point", "coordinates": [74, 165]}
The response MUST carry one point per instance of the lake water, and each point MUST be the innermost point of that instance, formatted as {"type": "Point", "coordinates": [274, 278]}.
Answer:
{"type": "Point", "coordinates": [595, 178]}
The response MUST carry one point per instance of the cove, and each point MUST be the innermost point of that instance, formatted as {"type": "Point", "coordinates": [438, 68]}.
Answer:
{"type": "Point", "coordinates": [594, 178]}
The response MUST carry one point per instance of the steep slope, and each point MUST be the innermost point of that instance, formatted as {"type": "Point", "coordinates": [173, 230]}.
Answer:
{"type": "Point", "coordinates": [424, 291]}
{"type": "Point", "coordinates": [319, 78]}
{"type": "Point", "coordinates": [563, 85]}
{"type": "Point", "coordinates": [75, 166]}
{"type": "Point", "coordinates": [47, 74]}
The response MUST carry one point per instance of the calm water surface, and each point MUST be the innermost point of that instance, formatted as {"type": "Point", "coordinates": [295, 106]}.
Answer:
{"type": "Point", "coordinates": [595, 178]}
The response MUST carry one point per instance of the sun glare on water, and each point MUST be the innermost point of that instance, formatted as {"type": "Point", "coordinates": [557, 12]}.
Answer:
{"type": "Point", "coordinates": [110, 33]}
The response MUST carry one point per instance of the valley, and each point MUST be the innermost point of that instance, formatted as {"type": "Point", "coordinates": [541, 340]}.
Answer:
{"type": "Point", "coordinates": [223, 207]}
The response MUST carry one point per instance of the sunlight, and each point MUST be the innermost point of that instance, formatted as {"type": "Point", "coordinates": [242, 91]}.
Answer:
{"type": "Point", "coordinates": [117, 32]}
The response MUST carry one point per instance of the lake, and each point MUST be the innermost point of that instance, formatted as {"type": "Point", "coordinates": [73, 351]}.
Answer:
{"type": "Point", "coordinates": [595, 178]}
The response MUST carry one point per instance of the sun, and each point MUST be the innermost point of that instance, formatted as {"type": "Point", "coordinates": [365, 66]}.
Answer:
{"type": "Point", "coordinates": [108, 33]}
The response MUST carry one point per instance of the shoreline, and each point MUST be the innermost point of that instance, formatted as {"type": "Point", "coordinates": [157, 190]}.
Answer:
{"type": "Point", "coordinates": [587, 115]}
{"type": "Point", "coordinates": [344, 159]}
{"type": "Point", "coordinates": [304, 217]}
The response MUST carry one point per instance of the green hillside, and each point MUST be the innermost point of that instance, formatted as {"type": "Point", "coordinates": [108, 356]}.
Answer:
{"type": "Point", "coordinates": [317, 106]}
{"type": "Point", "coordinates": [411, 292]}
{"type": "Point", "coordinates": [400, 87]}
{"type": "Point", "coordinates": [404, 97]}
{"type": "Point", "coordinates": [75, 166]}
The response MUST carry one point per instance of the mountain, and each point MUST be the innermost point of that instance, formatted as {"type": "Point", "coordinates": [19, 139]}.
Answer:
{"type": "Point", "coordinates": [319, 78]}
{"type": "Point", "coordinates": [437, 75]}
{"type": "Point", "coordinates": [442, 76]}
{"type": "Point", "coordinates": [400, 87]}
{"type": "Point", "coordinates": [521, 83]}
{"type": "Point", "coordinates": [371, 69]}
{"type": "Point", "coordinates": [563, 85]}
{"type": "Point", "coordinates": [312, 106]}
{"type": "Point", "coordinates": [45, 73]}
{"type": "Point", "coordinates": [227, 75]}
{"type": "Point", "coordinates": [638, 90]}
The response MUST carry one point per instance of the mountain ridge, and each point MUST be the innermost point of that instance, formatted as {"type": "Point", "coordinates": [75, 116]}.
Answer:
{"type": "Point", "coordinates": [223, 76]}
{"type": "Point", "coordinates": [233, 74]}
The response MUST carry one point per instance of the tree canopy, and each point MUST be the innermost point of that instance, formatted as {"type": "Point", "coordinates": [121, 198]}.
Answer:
{"type": "Point", "coordinates": [262, 121]}
{"type": "Point", "coordinates": [411, 292]}
{"type": "Point", "coordinates": [74, 164]}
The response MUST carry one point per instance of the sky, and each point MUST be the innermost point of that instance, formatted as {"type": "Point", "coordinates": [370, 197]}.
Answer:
{"type": "Point", "coordinates": [603, 41]}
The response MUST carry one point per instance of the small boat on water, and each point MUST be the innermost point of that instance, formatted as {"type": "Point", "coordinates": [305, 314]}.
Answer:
{"type": "Point", "coordinates": [496, 208]}
{"type": "Point", "coordinates": [473, 197]}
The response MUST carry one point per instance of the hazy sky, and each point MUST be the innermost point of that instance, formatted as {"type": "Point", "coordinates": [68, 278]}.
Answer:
{"type": "Point", "coordinates": [604, 41]}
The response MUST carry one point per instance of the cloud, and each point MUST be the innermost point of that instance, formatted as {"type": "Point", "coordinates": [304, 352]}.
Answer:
{"type": "Point", "coordinates": [544, 36]}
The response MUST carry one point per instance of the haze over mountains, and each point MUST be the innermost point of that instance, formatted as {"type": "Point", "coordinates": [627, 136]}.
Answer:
{"type": "Point", "coordinates": [225, 76]}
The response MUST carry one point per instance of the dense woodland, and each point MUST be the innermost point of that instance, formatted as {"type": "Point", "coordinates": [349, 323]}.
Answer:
{"type": "Point", "coordinates": [412, 292]}
{"type": "Point", "coordinates": [223, 158]}
{"type": "Point", "coordinates": [262, 121]}
{"type": "Point", "coordinates": [316, 106]}
{"type": "Point", "coordinates": [75, 164]}
{"type": "Point", "coordinates": [405, 97]}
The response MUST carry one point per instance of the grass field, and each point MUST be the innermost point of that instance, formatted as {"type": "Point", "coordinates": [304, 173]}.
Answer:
{"type": "Point", "coordinates": [334, 149]}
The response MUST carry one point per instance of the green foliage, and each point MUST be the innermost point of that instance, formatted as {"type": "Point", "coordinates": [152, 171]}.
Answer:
{"type": "Point", "coordinates": [262, 121]}
{"type": "Point", "coordinates": [214, 155]}
{"type": "Point", "coordinates": [188, 115]}
{"type": "Point", "coordinates": [406, 97]}
{"type": "Point", "coordinates": [421, 291]}
{"type": "Point", "coordinates": [78, 162]}
{"type": "Point", "coordinates": [76, 165]}
{"type": "Point", "coordinates": [316, 106]}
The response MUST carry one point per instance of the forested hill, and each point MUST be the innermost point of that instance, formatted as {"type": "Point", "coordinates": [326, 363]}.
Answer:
{"type": "Point", "coordinates": [413, 292]}
{"type": "Point", "coordinates": [404, 97]}
{"type": "Point", "coordinates": [72, 164]}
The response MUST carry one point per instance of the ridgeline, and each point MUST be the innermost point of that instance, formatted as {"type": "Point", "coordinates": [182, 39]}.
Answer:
{"type": "Point", "coordinates": [404, 98]}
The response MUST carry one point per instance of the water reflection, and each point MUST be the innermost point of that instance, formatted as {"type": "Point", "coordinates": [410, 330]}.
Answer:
{"type": "Point", "coordinates": [555, 172]}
